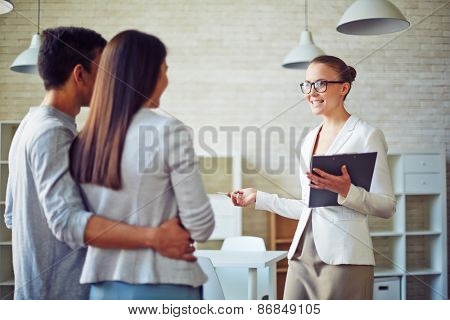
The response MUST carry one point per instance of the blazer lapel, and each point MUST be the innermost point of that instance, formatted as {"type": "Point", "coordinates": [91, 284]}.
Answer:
{"type": "Point", "coordinates": [309, 145]}
{"type": "Point", "coordinates": [343, 135]}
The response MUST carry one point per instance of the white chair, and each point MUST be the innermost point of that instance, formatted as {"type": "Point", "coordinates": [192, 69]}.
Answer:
{"type": "Point", "coordinates": [243, 243]}
{"type": "Point", "coordinates": [235, 280]}
{"type": "Point", "coordinates": [212, 289]}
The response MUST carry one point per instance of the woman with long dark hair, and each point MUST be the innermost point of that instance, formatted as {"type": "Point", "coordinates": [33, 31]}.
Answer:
{"type": "Point", "coordinates": [129, 159]}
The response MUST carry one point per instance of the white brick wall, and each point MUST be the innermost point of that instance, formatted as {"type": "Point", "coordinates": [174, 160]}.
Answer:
{"type": "Point", "coordinates": [225, 57]}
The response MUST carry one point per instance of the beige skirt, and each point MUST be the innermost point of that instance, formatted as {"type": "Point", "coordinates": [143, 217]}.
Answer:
{"type": "Point", "coordinates": [308, 277]}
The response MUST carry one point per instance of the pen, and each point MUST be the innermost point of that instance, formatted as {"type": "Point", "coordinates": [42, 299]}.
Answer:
{"type": "Point", "coordinates": [234, 195]}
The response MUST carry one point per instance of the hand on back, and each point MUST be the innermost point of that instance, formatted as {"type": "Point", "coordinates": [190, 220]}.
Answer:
{"type": "Point", "coordinates": [174, 241]}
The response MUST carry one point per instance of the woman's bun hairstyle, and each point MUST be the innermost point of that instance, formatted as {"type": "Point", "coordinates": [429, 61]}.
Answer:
{"type": "Point", "coordinates": [352, 73]}
{"type": "Point", "coordinates": [345, 72]}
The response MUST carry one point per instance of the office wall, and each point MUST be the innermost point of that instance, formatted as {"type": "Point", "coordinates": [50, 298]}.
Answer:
{"type": "Point", "coordinates": [224, 70]}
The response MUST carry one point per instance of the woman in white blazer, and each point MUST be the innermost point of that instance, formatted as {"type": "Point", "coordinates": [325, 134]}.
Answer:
{"type": "Point", "coordinates": [331, 255]}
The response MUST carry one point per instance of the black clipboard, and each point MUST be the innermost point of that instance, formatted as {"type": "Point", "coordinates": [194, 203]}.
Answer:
{"type": "Point", "coordinates": [360, 167]}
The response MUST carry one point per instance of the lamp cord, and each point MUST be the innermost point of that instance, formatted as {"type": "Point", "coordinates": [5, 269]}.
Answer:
{"type": "Point", "coordinates": [306, 15]}
{"type": "Point", "coordinates": [39, 15]}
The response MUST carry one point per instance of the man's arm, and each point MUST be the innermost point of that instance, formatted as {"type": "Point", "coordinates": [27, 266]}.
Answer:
{"type": "Point", "coordinates": [61, 200]}
{"type": "Point", "coordinates": [170, 239]}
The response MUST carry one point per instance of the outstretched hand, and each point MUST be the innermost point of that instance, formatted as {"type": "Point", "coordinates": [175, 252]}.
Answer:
{"type": "Point", "coordinates": [243, 197]}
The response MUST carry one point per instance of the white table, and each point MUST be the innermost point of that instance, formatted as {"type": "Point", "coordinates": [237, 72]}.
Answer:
{"type": "Point", "coordinates": [250, 260]}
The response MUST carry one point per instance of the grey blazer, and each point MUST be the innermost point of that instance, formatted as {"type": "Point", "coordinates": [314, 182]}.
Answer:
{"type": "Point", "coordinates": [160, 180]}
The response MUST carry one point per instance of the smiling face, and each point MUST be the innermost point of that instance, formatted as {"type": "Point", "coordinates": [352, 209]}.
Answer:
{"type": "Point", "coordinates": [325, 103]}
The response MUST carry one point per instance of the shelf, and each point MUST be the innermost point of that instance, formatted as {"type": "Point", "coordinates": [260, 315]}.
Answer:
{"type": "Point", "coordinates": [7, 131]}
{"type": "Point", "coordinates": [387, 272]}
{"type": "Point", "coordinates": [3, 181]}
{"type": "Point", "coordinates": [424, 287]}
{"type": "Point", "coordinates": [6, 292]}
{"type": "Point", "coordinates": [388, 252]}
{"type": "Point", "coordinates": [423, 253]}
{"type": "Point", "coordinates": [7, 283]}
{"type": "Point", "coordinates": [282, 269]}
{"type": "Point", "coordinates": [421, 194]}
{"type": "Point", "coordinates": [423, 213]}
{"type": "Point", "coordinates": [423, 272]}
{"type": "Point", "coordinates": [385, 234]}
{"type": "Point", "coordinates": [423, 233]}
{"type": "Point", "coordinates": [6, 270]}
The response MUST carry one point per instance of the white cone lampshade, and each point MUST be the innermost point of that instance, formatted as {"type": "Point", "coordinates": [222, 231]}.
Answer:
{"type": "Point", "coordinates": [5, 6]}
{"type": "Point", "coordinates": [26, 62]}
{"type": "Point", "coordinates": [372, 17]}
{"type": "Point", "coordinates": [303, 53]}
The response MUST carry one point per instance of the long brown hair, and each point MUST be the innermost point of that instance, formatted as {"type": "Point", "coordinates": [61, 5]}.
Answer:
{"type": "Point", "coordinates": [127, 76]}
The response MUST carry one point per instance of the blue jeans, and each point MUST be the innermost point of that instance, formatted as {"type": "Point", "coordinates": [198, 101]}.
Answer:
{"type": "Point", "coordinates": [117, 290]}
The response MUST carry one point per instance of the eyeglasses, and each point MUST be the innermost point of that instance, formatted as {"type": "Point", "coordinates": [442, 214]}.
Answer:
{"type": "Point", "coordinates": [320, 86]}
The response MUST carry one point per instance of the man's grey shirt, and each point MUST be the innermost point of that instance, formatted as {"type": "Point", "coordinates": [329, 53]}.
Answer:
{"type": "Point", "coordinates": [44, 209]}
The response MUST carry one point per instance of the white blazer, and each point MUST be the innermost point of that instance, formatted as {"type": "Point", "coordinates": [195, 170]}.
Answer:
{"type": "Point", "coordinates": [341, 233]}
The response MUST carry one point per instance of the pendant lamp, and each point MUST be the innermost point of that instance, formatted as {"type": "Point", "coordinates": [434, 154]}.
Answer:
{"type": "Point", "coordinates": [5, 6]}
{"type": "Point", "coordinates": [372, 17]}
{"type": "Point", "coordinates": [26, 62]}
{"type": "Point", "coordinates": [305, 51]}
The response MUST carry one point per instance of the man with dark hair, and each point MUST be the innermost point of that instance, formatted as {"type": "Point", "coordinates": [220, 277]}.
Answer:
{"type": "Point", "coordinates": [62, 49]}
{"type": "Point", "coordinates": [50, 224]}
